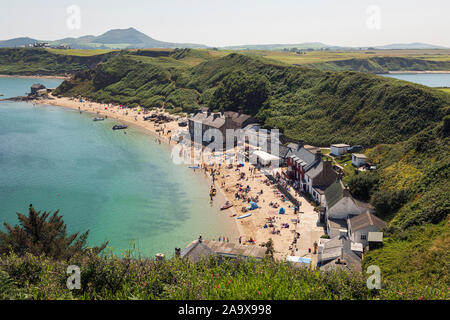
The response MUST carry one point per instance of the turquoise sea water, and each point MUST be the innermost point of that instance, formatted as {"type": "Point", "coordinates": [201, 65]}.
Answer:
{"type": "Point", "coordinates": [427, 79]}
{"type": "Point", "coordinates": [122, 187]}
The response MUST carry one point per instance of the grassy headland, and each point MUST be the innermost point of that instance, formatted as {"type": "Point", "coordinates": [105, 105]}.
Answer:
{"type": "Point", "coordinates": [406, 125]}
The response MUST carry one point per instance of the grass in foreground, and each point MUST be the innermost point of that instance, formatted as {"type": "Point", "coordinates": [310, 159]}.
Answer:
{"type": "Point", "coordinates": [112, 278]}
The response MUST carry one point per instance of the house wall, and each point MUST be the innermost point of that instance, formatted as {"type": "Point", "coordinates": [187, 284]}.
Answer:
{"type": "Point", "coordinates": [358, 161]}
{"type": "Point", "coordinates": [356, 236]}
{"type": "Point", "coordinates": [338, 151]}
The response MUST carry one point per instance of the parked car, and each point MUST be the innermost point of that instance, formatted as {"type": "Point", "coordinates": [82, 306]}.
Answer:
{"type": "Point", "coordinates": [356, 148]}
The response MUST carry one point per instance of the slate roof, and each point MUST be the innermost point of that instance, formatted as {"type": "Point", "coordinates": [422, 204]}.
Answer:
{"type": "Point", "coordinates": [334, 193]}
{"type": "Point", "coordinates": [340, 248]}
{"type": "Point", "coordinates": [340, 145]}
{"type": "Point", "coordinates": [337, 223]}
{"type": "Point", "coordinates": [307, 157]}
{"type": "Point", "coordinates": [365, 220]}
{"type": "Point", "coordinates": [315, 169]}
{"type": "Point", "coordinates": [197, 250]}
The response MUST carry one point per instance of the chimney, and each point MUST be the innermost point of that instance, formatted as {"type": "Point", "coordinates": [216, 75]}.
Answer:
{"type": "Point", "coordinates": [208, 113]}
{"type": "Point", "coordinates": [216, 115]}
{"type": "Point", "coordinates": [300, 144]}
{"type": "Point", "coordinates": [319, 155]}
{"type": "Point", "coordinates": [346, 192]}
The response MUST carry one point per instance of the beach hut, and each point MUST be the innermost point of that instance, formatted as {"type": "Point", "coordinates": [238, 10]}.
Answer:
{"type": "Point", "coordinates": [297, 261]}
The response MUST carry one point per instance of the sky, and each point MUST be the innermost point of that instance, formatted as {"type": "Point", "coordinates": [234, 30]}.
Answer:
{"type": "Point", "coordinates": [232, 22]}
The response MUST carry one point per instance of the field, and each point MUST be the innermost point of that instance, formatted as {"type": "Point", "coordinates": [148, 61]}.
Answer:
{"type": "Point", "coordinates": [306, 58]}
{"type": "Point", "coordinates": [327, 56]}
{"type": "Point", "coordinates": [79, 52]}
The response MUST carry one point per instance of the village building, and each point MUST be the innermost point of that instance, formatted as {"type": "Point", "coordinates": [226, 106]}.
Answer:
{"type": "Point", "coordinates": [339, 149]}
{"type": "Point", "coordinates": [375, 240]}
{"type": "Point", "coordinates": [358, 159]}
{"type": "Point", "coordinates": [300, 158]}
{"type": "Point", "coordinates": [204, 249]}
{"type": "Point", "coordinates": [339, 206]}
{"type": "Point", "coordinates": [361, 225]}
{"type": "Point", "coordinates": [339, 253]}
{"type": "Point", "coordinates": [216, 123]}
{"type": "Point", "coordinates": [36, 87]}
{"type": "Point", "coordinates": [309, 172]}
{"type": "Point", "coordinates": [318, 178]}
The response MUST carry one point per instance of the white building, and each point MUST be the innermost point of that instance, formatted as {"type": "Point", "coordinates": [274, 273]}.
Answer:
{"type": "Point", "coordinates": [358, 159]}
{"type": "Point", "coordinates": [339, 206]}
{"type": "Point", "coordinates": [361, 225]}
{"type": "Point", "coordinates": [339, 149]}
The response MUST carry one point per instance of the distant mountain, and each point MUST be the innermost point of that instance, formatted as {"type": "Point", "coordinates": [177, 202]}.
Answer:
{"type": "Point", "coordinates": [113, 39]}
{"type": "Point", "coordinates": [416, 45]}
{"type": "Point", "coordinates": [17, 42]}
{"type": "Point", "coordinates": [133, 39]}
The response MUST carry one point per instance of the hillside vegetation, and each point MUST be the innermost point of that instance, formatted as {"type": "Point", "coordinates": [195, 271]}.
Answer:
{"type": "Point", "coordinates": [407, 126]}
{"type": "Point", "coordinates": [110, 277]}
{"type": "Point", "coordinates": [36, 61]}
{"type": "Point", "coordinates": [312, 105]}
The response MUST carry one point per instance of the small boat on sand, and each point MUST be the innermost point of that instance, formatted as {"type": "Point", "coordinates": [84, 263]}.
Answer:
{"type": "Point", "coordinates": [194, 167]}
{"type": "Point", "coordinates": [244, 216]}
{"type": "Point", "coordinates": [227, 205]}
{"type": "Point", "coordinates": [119, 127]}
{"type": "Point", "coordinates": [98, 119]}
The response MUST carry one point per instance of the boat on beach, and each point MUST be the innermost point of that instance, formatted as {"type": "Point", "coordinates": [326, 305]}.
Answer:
{"type": "Point", "coordinates": [119, 127]}
{"type": "Point", "coordinates": [244, 216]}
{"type": "Point", "coordinates": [98, 119]}
{"type": "Point", "coordinates": [227, 205]}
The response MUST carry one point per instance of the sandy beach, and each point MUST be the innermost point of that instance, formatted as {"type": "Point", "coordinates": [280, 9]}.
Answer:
{"type": "Point", "coordinates": [292, 234]}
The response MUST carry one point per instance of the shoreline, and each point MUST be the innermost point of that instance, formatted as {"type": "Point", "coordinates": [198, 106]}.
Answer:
{"type": "Point", "coordinates": [265, 222]}
{"type": "Point", "coordinates": [419, 72]}
{"type": "Point", "coordinates": [34, 76]}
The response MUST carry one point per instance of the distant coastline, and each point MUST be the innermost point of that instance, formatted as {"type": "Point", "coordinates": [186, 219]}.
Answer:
{"type": "Point", "coordinates": [419, 72]}
{"type": "Point", "coordinates": [34, 76]}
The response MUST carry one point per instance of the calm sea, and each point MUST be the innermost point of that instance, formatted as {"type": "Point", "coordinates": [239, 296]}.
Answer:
{"type": "Point", "coordinates": [122, 187]}
{"type": "Point", "coordinates": [427, 79]}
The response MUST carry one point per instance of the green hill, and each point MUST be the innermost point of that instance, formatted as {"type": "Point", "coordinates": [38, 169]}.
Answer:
{"type": "Point", "coordinates": [407, 126]}
{"type": "Point", "coordinates": [312, 105]}
{"type": "Point", "coordinates": [382, 65]}
{"type": "Point", "coordinates": [36, 61]}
